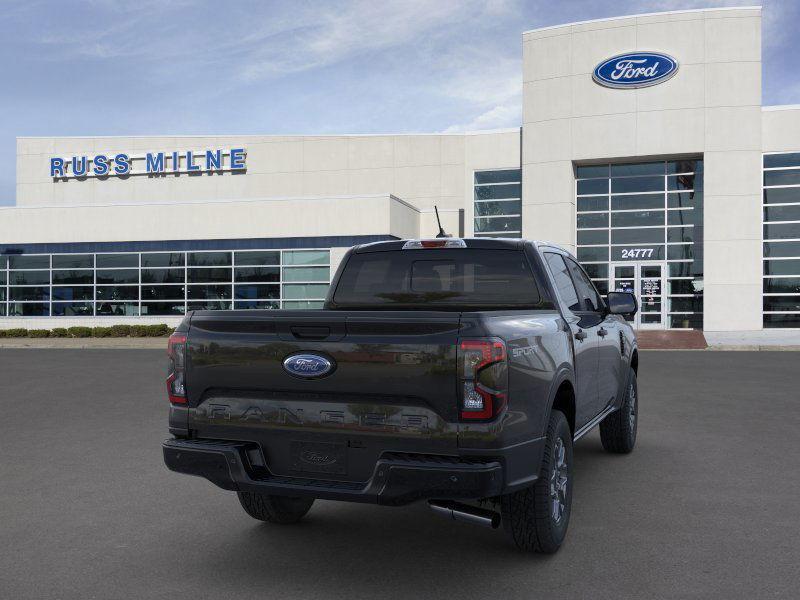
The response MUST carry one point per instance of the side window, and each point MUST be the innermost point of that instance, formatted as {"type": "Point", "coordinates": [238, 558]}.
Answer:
{"type": "Point", "coordinates": [586, 292]}
{"type": "Point", "coordinates": [564, 286]}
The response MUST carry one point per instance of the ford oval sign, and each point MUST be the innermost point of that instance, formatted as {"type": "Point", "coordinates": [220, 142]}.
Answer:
{"type": "Point", "coordinates": [635, 70]}
{"type": "Point", "coordinates": [307, 366]}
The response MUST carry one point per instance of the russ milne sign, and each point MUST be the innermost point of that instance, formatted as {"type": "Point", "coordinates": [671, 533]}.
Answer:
{"type": "Point", "coordinates": [151, 163]}
{"type": "Point", "coordinates": [635, 70]}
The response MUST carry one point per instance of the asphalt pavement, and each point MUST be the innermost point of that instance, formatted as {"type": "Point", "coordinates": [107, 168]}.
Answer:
{"type": "Point", "coordinates": [707, 506]}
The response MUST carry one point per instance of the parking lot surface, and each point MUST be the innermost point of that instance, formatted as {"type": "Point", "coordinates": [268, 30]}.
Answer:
{"type": "Point", "coordinates": [707, 506]}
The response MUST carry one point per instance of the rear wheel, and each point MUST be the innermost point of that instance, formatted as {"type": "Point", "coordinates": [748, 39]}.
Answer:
{"type": "Point", "coordinates": [618, 430]}
{"type": "Point", "coordinates": [537, 517]}
{"type": "Point", "coordinates": [274, 509]}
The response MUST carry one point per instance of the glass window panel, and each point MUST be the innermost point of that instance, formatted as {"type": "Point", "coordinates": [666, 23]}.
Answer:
{"type": "Point", "coordinates": [680, 269]}
{"type": "Point", "coordinates": [590, 299]}
{"type": "Point", "coordinates": [648, 168]}
{"type": "Point", "coordinates": [307, 291]}
{"type": "Point", "coordinates": [256, 292]}
{"type": "Point", "coordinates": [499, 224]}
{"type": "Point", "coordinates": [789, 159]}
{"type": "Point", "coordinates": [788, 177]}
{"type": "Point", "coordinates": [29, 262]}
{"type": "Point", "coordinates": [593, 236]}
{"type": "Point", "coordinates": [637, 184]}
{"type": "Point", "coordinates": [694, 304]}
{"type": "Point", "coordinates": [209, 292]}
{"type": "Point", "coordinates": [680, 252]}
{"type": "Point", "coordinates": [209, 275]}
{"type": "Point", "coordinates": [684, 166]}
{"type": "Point", "coordinates": [507, 207]}
{"type": "Point", "coordinates": [497, 192]}
{"type": "Point", "coordinates": [514, 235]}
{"type": "Point", "coordinates": [29, 293]}
{"type": "Point", "coordinates": [686, 321]}
{"type": "Point", "coordinates": [782, 267]}
{"type": "Point", "coordinates": [306, 257]}
{"type": "Point", "coordinates": [498, 176]}
{"type": "Point", "coordinates": [210, 305]}
{"type": "Point", "coordinates": [776, 321]}
{"type": "Point", "coordinates": [118, 276]}
{"type": "Point", "coordinates": [307, 274]}
{"type": "Point", "coordinates": [683, 217]}
{"type": "Point", "coordinates": [782, 303]}
{"type": "Point", "coordinates": [162, 308]}
{"type": "Point", "coordinates": [782, 231]}
{"type": "Point", "coordinates": [587, 171]}
{"type": "Point", "coordinates": [637, 219]}
{"type": "Point", "coordinates": [163, 275]}
{"type": "Point", "coordinates": [163, 259]}
{"type": "Point", "coordinates": [28, 309]}
{"type": "Point", "coordinates": [117, 292]}
{"type": "Point", "coordinates": [3, 262]}
{"type": "Point", "coordinates": [782, 285]}
{"type": "Point", "coordinates": [637, 236]}
{"type": "Point", "coordinates": [624, 272]}
{"type": "Point", "coordinates": [257, 258]}
{"type": "Point", "coordinates": [680, 234]}
{"type": "Point", "coordinates": [596, 271]}
{"type": "Point", "coordinates": [73, 277]}
{"type": "Point", "coordinates": [162, 292]}
{"type": "Point", "coordinates": [685, 286]}
{"type": "Point", "coordinates": [256, 305]}
{"type": "Point", "coordinates": [782, 195]}
{"type": "Point", "coordinates": [84, 292]}
{"type": "Point", "coordinates": [638, 252]}
{"type": "Point", "coordinates": [564, 284]}
{"type": "Point", "coordinates": [209, 259]}
{"type": "Point", "coordinates": [29, 277]}
{"type": "Point", "coordinates": [593, 203]}
{"type": "Point", "coordinates": [257, 274]}
{"type": "Point", "coordinates": [601, 285]}
{"type": "Point", "coordinates": [596, 254]}
{"type": "Point", "coordinates": [73, 309]}
{"type": "Point", "coordinates": [782, 213]}
{"type": "Point", "coordinates": [303, 305]}
{"type": "Point", "coordinates": [781, 249]}
{"type": "Point", "coordinates": [2, 310]}
{"type": "Point", "coordinates": [73, 261]}
{"type": "Point", "coordinates": [684, 182]}
{"type": "Point", "coordinates": [592, 220]}
{"type": "Point", "coordinates": [117, 309]}
{"type": "Point", "coordinates": [592, 186]}
{"type": "Point", "coordinates": [637, 201]}
{"type": "Point", "coordinates": [2, 294]}
{"type": "Point", "coordinates": [2, 277]}
{"type": "Point", "coordinates": [684, 199]}
{"type": "Point", "coordinates": [113, 261]}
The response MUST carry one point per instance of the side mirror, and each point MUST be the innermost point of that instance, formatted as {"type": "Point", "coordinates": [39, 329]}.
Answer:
{"type": "Point", "coordinates": [622, 303]}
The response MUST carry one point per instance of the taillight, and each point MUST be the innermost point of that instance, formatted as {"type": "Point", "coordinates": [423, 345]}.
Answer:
{"type": "Point", "coordinates": [176, 380]}
{"type": "Point", "coordinates": [484, 378]}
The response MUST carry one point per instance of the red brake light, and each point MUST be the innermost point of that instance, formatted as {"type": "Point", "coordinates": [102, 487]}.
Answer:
{"type": "Point", "coordinates": [482, 397]}
{"type": "Point", "coordinates": [176, 380]}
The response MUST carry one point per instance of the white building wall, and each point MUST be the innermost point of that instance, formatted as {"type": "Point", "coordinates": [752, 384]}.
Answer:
{"type": "Point", "coordinates": [711, 107]}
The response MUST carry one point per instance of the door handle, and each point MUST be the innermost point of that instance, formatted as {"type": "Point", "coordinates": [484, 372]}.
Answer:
{"type": "Point", "coordinates": [602, 332]}
{"type": "Point", "coordinates": [580, 335]}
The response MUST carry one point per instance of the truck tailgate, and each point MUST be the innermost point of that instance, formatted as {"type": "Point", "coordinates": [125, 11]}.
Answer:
{"type": "Point", "coordinates": [393, 387]}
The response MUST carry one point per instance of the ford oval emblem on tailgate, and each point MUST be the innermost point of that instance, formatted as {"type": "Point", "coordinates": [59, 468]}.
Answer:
{"type": "Point", "coordinates": [307, 366]}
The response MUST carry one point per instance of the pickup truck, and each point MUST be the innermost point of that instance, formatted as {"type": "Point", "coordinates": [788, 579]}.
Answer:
{"type": "Point", "coordinates": [453, 371]}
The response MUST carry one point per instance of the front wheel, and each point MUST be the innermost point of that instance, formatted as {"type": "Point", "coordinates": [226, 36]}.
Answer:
{"type": "Point", "coordinates": [618, 430]}
{"type": "Point", "coordinates": [537, 517]}
{"type": "Point", "coordinates": [274, 509]}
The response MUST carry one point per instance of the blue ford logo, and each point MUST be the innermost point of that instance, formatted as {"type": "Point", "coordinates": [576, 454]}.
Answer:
{"type": "Point", "coordinates": [307, 365]}
{"type": "Point", "coordinates": [635, 70]}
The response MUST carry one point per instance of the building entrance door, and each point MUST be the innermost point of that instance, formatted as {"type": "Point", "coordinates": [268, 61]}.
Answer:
{"type": "Point", "coordinates": [646, 281]}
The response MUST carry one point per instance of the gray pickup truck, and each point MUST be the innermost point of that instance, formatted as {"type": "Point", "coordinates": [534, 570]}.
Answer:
{"type": "Point", "coordinates": [455, 371]}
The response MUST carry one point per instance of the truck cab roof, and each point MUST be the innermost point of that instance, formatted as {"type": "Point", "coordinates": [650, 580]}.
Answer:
{"type": "Point", "coordinates": [475, 242]}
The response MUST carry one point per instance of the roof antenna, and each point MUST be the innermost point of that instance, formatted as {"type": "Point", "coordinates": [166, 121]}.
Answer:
{"type": "Point", "coordinates": [441, 233]}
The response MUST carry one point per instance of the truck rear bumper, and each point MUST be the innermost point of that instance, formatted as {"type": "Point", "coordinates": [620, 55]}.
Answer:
{"type": "Point", "coordinates": [397, 479]}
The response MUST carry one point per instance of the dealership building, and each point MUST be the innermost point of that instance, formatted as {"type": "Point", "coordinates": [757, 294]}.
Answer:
{"type": "Point", "coordinates": [644, 148]}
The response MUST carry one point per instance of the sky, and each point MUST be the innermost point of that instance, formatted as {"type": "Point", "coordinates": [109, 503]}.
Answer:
{"type": "Point", "coordinates": [175, 67]}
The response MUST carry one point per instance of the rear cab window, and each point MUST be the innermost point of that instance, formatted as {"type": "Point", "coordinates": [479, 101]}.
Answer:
{"type": "Point", "coordinates": [439, 279]}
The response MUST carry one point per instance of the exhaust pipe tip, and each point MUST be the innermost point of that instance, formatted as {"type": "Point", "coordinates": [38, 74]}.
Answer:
{"type": "Point", "coordinates": [465, 513]}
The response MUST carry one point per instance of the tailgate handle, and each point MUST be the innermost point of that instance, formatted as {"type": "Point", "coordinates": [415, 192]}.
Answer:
{"type": "Point", "coordinates": [310, 332]}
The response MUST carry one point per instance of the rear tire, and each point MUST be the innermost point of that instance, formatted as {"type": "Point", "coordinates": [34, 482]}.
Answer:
{"type": "Point", "coordinates": [537, 517]}
{"type": "Point", "coordinates": [274, 509]}
{"type": "Point", "coordinates": [618, 430]}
